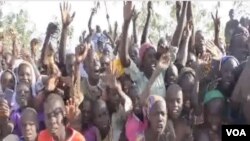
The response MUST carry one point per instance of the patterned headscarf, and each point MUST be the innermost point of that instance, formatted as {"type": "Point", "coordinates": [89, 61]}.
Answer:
{"type": "Point", "coordinates": [143, 49]}
{"type": "Point", "coordinates": [226, 58]}
{"type": "Point", "coordinates": [152, 99]}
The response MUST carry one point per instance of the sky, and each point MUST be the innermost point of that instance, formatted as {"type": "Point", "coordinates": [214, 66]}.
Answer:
{"type": "Point", "coordinates": [43, 12]}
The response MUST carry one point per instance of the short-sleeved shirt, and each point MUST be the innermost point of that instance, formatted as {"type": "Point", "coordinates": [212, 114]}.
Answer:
{"type": "Point", "coordinates": [141, 80]}
{"type": "Point", "coordinates": [75, 136]}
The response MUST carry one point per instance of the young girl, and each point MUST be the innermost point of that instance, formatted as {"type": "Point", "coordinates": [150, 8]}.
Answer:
{"type": "Point", "coordinates": [24, 99]}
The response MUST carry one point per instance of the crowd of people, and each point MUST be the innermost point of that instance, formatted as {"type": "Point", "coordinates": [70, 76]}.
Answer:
{"type": "Point", "coordinates": [116, 87]}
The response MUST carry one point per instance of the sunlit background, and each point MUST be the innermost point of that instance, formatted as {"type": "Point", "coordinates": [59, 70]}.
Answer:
{"type": "Point", "coordinates": [40, 13]}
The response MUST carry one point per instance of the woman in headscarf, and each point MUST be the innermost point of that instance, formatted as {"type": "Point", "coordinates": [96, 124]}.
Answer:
{"type": "Point", "coordinates": [214, 109]}
{"type": "Point", "coordinates": [25, 73]}
{"type": "Point", "coordinates": [158, 129]}
{"type": "Point", "coordinates": [141, 75]}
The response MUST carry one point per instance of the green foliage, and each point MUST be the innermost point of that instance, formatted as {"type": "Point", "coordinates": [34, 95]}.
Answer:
{"type": "Point", "coordinates": [159, 25]}
{"type": "Point", "coordinates": [163, 24]}
{"type": "Point", "coordinates": [20, 25]}
{"type": "Point", "coordinates": [241, 8]}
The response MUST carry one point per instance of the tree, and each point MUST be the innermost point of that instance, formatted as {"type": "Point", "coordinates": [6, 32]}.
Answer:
{"type": "Point", "coordinates": [160, 24]}
{"type": "Point", "coordinates": [19, 24]}
{"type": "Point", "coordinates": [164, 23]}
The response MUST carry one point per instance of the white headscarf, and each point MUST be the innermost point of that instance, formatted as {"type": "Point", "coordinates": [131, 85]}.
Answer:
{"type": "Point", "coordinates": [33, 76]}
{"type": "Point", "coordinates": [13, 103]}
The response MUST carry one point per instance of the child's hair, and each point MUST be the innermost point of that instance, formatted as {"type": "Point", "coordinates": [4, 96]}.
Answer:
{"type": "Point", "coordinates": [33, 111]}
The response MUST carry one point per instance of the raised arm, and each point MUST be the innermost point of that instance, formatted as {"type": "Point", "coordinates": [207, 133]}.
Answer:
{"type": "Point", "coordinates": [51, 29]}
{"type": "Point", "coordinates": [93, 12]}
{"type": "Point", "coordinates": [183, 49]}
{"type": "Point", "coordinates": [115, 31]}
{"type": "Point", "coordinates": [163, 65]}
{"type": "Point", "coordinates": [107, 17]}
{"type": "Point", "coordinates": [81, 54]}
{"type": "Point", "coordinates": [191, 21]}
{"type": "Point", "coordinates": [216, 21]}
{"type": "Point", "coordinates": [146, 27]}
{"type": "Point", "coordinates": [178, 10]}
{"type": "Point", "coordinates": [135, 16]}
{"type": "Point", "coordinates": [110, 27]}
{"type": "Point", "coordinates": [110, 38]}
{"type": "Point", "coordinates": [123, 49]}
{"type": "Point", "coordinates": [66, 20]}
{"type": "Point", "coordinates": [180, 26]}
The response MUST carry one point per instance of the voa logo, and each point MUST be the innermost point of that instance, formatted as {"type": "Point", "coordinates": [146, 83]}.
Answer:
{"type": "Point", "coordinates": [236, 132]}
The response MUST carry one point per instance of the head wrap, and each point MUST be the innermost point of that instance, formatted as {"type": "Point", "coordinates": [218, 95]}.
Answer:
{"type": "Point", "coordinates": [226, 58]}
{"type": "Point", "coordinates": [13, 103]}
{"type": "Point", "coordinates": [33, 76]}
{"type": "Point", "coordinates": [143, 49]}
{"type": "Point", "coordinates": [211, 95]}
{"type": "Point", "coordinates": [152, 99]}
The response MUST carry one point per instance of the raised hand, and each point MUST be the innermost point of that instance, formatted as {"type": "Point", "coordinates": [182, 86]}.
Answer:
{"type": "Point", "coordinates": [65, 13]}
{"type": "Point", "coordinates": [187, 31]}
{"type": "Point", "coordinates": [52, 28]}
{"type": "Point", "coordinates": [71, 109]}
{"type": "Point", "coordinates": [164, 61]}
{"type": "Point", "coordinates": [128, 9]}
{"type": "Point", "coordinates": [135, 15]}
{"type": "Point", "coordinates": [26, 55]}
{"type": "Point", "coordinates": [150, 6]}
{"type": "Point", "coordinates": [111, 77]}
{"type": "Point", "coordinates": [116, 24]}
{"type": "Point", "coordinates": [216, 20]}
{"type": "Point", "coordinates": [81, 51]}
{"type": "Point", "coordinates": [52, 83]}
{"type": "Point", "coordinates": [93, 11]}
{"type": "Point", "coordinates": [82, 37]}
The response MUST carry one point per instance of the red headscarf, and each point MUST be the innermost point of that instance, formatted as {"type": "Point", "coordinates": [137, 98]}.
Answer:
{"type": "Point", "coordinates": [143, 49]}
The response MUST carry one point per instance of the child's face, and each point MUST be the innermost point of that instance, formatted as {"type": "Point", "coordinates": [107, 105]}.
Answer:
{"type": "Point", "coordinates": [101, 116]}
{"type": "Point", "coordinates": [171, 75]}
{"type": "Point", "coordinates": [227, 73]}
{"type": "Point", "coordinates": [137, 106]}
{"type": "Point", "coordinates": [23, 95]}
{"type": "Point", "coordinates": [215, 110]}
{"type": "Point", "coordinates": [158, 117]}
{"type": "Point", "coordinates": [93, 67]}
{"type": "Point", "coordinates": [25, 74]}
{"type": "Point", "coordinates": [174, 103]}
{"type": "Point", "coordinates": [86, 112]}
{"type": "Point", "coordinates": [114, 100]}
{"type": "Point", "coordinates": [54, 114]}
{"type": "Point", "coordinates": [29, 126]}
{"type": "Point", "coordinates": [7, 81]}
